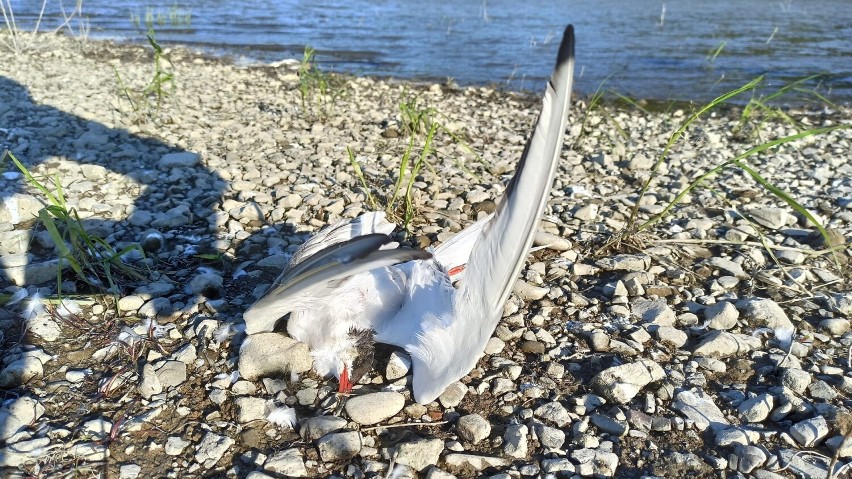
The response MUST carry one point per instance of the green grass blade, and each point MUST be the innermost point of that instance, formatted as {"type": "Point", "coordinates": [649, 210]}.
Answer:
{"type": "Point", "coordinates": [679, 132]}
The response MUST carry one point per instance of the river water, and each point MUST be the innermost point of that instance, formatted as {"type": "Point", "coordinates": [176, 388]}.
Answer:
{"type": "Point", "coordinates": [652, 49]}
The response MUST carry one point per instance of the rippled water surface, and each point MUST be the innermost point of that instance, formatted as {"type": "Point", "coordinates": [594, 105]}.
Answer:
{"type": "Point", "coordinates": [642, 48]}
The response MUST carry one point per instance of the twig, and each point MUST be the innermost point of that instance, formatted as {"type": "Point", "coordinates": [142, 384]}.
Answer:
{"type": "Point", "coordinates": [747, 243]}
{"type": "Point", "coordinates": [404, 424]}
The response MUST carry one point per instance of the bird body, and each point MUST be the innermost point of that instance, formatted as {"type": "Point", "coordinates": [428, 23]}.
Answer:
{"type": "Point", "coordinates": [345, 281]}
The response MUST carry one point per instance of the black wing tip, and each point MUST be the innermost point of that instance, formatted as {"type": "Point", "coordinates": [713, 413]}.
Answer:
{"type": "Point", "coordinates": [566, 49]}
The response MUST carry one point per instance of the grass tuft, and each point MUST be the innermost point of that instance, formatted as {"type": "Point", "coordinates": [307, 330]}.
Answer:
{"type": "Point", "coordinates": [318, 89]}
{"type": "Point", "coordinates": [148, 101]}
{"type": "Point", "coordinates": [93, 259]}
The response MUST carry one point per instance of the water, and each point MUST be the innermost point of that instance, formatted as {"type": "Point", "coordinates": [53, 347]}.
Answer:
{"type": "Point", "coordinates": [643, 48]}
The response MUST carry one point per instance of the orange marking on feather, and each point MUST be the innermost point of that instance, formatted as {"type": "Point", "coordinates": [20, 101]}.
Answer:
{"type": "Point", "coordinates": [456, 270]}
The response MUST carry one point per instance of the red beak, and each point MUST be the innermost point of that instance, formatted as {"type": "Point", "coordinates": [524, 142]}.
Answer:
{"type": "Point", "coordinates": [345, 386]}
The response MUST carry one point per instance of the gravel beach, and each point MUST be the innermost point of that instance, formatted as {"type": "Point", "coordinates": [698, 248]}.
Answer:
{"type": "Point", "coordinates": [714, 343]}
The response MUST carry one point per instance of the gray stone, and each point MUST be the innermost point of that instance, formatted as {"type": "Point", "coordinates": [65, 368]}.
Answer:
{"type": "Point", "coordinates": [559, 465]}
{"type": "Point", "coordinates": [171, 373]}
{"type": "Point", "coordinates": [700, 408]}
{"type": "Point", "coordinates": [728, 266]}
{"type": "Point", "coordinates": [671, 336]}
{"type": "Point", "coordinates": [288, 462]}
{"type": "Point", "coordinates": [272, 354]}
{"type": "Point", "coordinates": [21, 371]}
{"type": "Point", "coordinates": [721, 316]}
{"type": "Point", "coordinates": [420, 453]}
{"type": "Point", "coordinates": [621, 383]}
{"type": "Point", "coordinates": [398, 367]}
{"type": "Point", "coordinates": [554, 413]}
{"type": "Point", "coordinates": [515, 441]}
{"type": "Point", "coordinates": [23, 452]}
{"type": "Point", "coordinates": [149, 382]}
{"type": "Point", "coordinates": [655, 312]}
{"type": "Point", "coordinates": [551, 241]}
{"type": "Point", "coordinates": [609, 425]}
{"type": "Point", "coordinates": [182, 159]}
{"type": "Point", "coordinates": [18, 415]}
{"type": "Point", "coordinates": [529, 292]}
{"type": "Point", "coordinates": [473, 428]}
{"type": "Point", "coordinates": [835, 326]}
{"type": "Point", "coordinates": [473, 461]}
{"type": "Point", "coordinates": [314, 428]}
{"type": "Point", "coordinates": [129, 471]}
{"type": "Point", "coordinates": [549, 437]}
{"type": "Point", "coordinates": [339, 446]}
{"type": "Point", "coordinates": [592, 462]}
{"type": "Point", "coordinates": [250, 409]}
{"type": "Point", "coordinates": [211, 448]}
{"type": "Point", "coordinates": [810, 432]}
{"type": "Point", "coordinates": [175, 445]}
{"type": "Point", "coordinates": [453, 395]}
{"type": "Point", "coordinates": [773, 218]}
{"type": "Point", "coordinates": [374, 407]}
{"type": "Point", "coordinates": [722, 344]}
{"type": "Point", "coordinates": [756, 409]}
{"type": "Point", "coordinates": [625, 262]}
{"type": "Point", "coordinates": [746, 458]}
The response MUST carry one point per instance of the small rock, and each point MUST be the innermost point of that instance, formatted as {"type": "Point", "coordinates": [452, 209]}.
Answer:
{"type": "Point", "coordinates": [796, 379]}
{"type": "Point", "coordinates": [288, 462]}
{"type": "Point", "coordinates": [515, 441]}
{"type": "Point", "coordinates": [473, 461]}
{"type": "Point", "coordinates": [272, 354]}
{"type": "Point", "coordinates": [700, 408]}
{"type": "Point", "coordinates": [756, 409]}
{"type": "Point", "coordinates": [374, 407]}
{"type": "Point", "coordinates": [182, 159]}
{"type": "Point", "coordinates": [453, 395]}
{"type": "Point", "coordinates": [773, 218]}
{"type": "Point", "coordinates": [593, 462]}
{"type": "Point", "coordinates": [313, 428]}
{"type": "Point", "coordinates": [399, 365]}
{"type": "Point", "coordinates": [18, 415]}
{"type": "Point", "coordinates": [149, 383]}
{"type": "Point", "coordinates": [339, 446]}
{"type": "Point", "coordinates": [722, 344]}
{"type": "Point", "coordinates": [621, 383]}
{"type": "Point", "coordinates": [810, 432]}
{"type": "Point", "coordinates": [211, 448]}
{"type": "Point", "coordinates": [420, 453]}
{"type": "Point", "coordinates": [250, 409]}
{"type": "Point", "coordinates": [473, 428]}
{"type": "Point", "coordinates": [835, 326]}
{"type": "Point", "coordinates": [175, 445]}
{"type": "Point", "coordinates": [553, 412]}
{"type": "Point", "coordinates": [721, 316]}
{"type": "Point", "coordinates": [746, 458]}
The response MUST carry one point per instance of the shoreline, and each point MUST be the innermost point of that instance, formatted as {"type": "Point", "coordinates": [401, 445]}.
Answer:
{"type": "Point", "coordinates": [617, 360]}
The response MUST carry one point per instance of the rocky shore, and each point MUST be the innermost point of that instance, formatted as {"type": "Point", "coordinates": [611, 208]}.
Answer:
{"type": "Point", "coordinates": [714, 343]}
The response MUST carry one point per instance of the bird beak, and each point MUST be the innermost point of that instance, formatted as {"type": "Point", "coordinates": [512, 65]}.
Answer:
{"type": "Point", "coordinates": [345, 386]}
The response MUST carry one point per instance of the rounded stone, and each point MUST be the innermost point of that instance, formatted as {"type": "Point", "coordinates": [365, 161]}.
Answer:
{"type": "Point", "coordinates": [374, 407]}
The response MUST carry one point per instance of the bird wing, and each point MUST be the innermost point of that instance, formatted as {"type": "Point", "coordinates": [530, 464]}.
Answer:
{"type": "Point", "coordinates": [451, 337]}
{"type": "Point", "coordinates": [344, 230]}
{"type": "Point", "coordinates": [309, 282]}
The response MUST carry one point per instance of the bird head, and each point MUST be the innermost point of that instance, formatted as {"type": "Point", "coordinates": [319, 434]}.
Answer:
{"type": "Point", "coordinates": [356, 360]}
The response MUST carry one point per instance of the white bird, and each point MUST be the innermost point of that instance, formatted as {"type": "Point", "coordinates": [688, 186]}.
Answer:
{"type": "Point", "coordinates": [341, 283]}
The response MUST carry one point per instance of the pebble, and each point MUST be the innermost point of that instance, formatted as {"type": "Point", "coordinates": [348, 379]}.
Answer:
{"type": "Point", "coordinates": [398, 367]}
{"type": "Point", "coordinates": [621, 383]}
{"type": "Point", "coordinates": [473, 428]}
{"type": "Point", "coordinates": [212, 448]}
{"type": "Point", "coordinates": [250, 409]}
{"type": "Point", "coordinates": [272, 354]}
{"type": "Point", "coordinates": [593, 462]}
{"type": "Point", "coordinates": [453, 395]}
{"type": "Point", "coordinates": [721, 316]}
{"type": "Point", "coordinates": [515, 441]}
{"type": "Point", "coordinates": [474, 461]}
{"type": "Point", "coordinates": [17, 415]}
{"type": "Point", "coordinates": [810, 432]}
{"type": "Point", "coordinates": [313, 428]}
{"type": "Point", "coordinates": [374, 408]}
{"type": "Point", "coordinates": [339, 446]}
{"type": "Point", "coordinates": [698, 407]}
{"type": "Point", "coordinates": [420, 453]}
{"type": "Point", "coordinates": [554, 413]}
{"type": "Point", "coordinates": [756, 409]}
{"type": "Point", "coordinates": [175, 445]}
{"type": "Point", "coordinates": [288, 462]}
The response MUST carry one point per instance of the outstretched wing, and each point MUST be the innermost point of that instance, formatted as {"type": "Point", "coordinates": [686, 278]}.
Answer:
{"type": "Point", "coordinates": [450, 342]}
